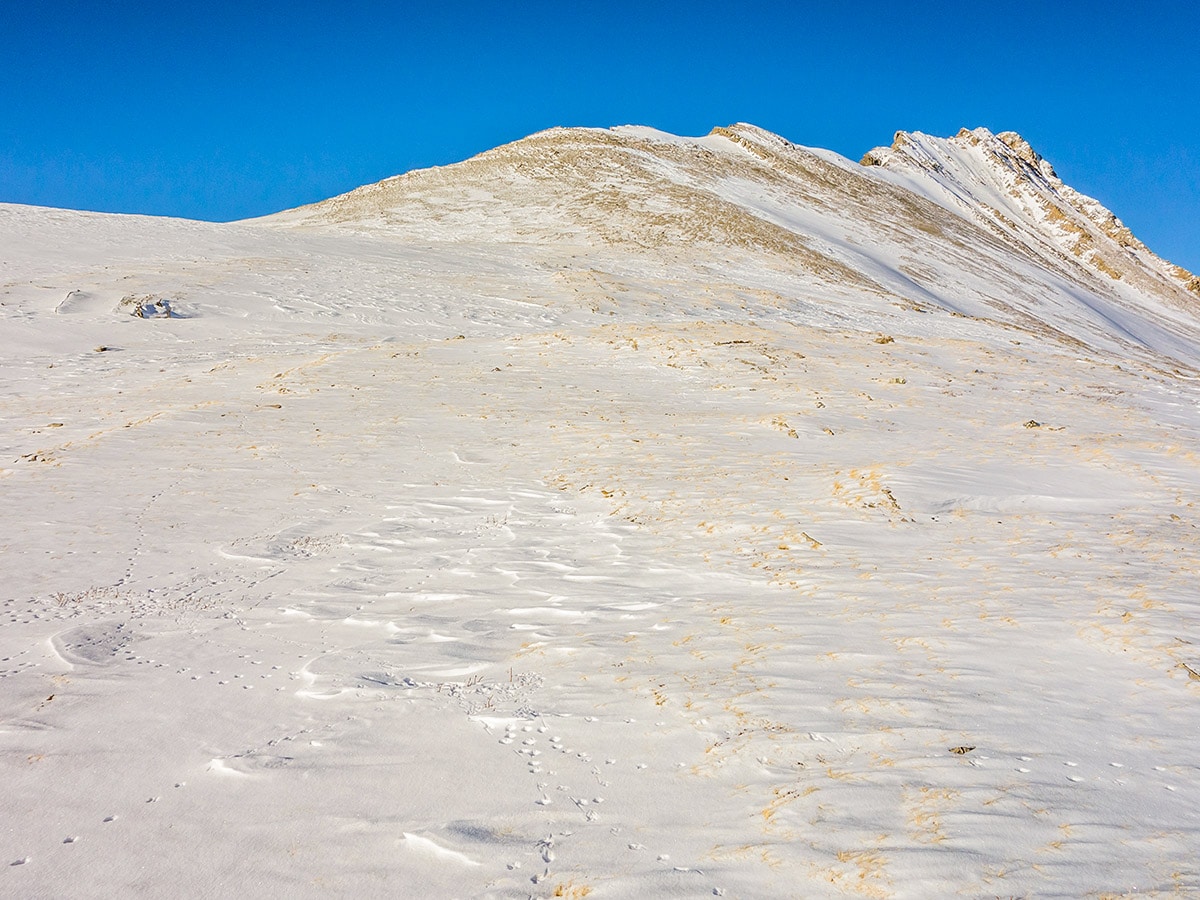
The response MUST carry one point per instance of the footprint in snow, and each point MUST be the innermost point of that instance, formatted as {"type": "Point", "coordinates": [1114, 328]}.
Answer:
{"type": "Point", "coordinates": [93, 644]}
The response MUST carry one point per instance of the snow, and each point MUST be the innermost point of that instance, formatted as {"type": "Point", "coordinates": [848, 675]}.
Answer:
{"type": "Point", "coordinates": [405, 561]}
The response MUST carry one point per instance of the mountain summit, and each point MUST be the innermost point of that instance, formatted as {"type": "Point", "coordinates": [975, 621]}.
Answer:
{"type": "Point", "coordinates": [1000, 181]}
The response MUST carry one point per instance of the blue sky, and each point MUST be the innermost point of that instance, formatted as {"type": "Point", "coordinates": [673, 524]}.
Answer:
{"type": "Point", "coordinates": [228, 110]}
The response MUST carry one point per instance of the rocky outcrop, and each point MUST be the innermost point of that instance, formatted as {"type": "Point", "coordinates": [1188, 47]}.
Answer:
{"type": "Point", "coordinates": [1001, 181]}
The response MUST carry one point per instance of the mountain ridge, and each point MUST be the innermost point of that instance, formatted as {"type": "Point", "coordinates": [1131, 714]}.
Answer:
{"type": "Point", "coordinates": [977, 225]}
{"type": "Point", "coordinates": [1033, 201]}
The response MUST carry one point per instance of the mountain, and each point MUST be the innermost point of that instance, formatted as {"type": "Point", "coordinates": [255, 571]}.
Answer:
{"type": "Point", "coordinates": [610, 514]}
{"type": "Point", "coordinates": [977, 224]}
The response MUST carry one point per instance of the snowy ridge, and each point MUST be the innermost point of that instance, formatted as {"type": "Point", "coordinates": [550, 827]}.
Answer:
{"type": "Point", "coordinates": [1045, 253]}
{"type": "Point", "coordinates": [1001, 180]}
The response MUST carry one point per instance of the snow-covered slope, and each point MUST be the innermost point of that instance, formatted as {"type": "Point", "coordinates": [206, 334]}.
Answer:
{"type": "Point", "coordinates": [613, 514]}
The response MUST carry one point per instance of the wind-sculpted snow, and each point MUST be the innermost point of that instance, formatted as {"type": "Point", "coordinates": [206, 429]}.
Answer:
{"type": "Point", "coordinates": [614, 514]}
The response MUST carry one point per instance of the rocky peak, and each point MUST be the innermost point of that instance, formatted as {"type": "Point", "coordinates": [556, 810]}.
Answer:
{"type": "Point", "coordinates": [1001, 181]}
{"type": "Point", "coordinates": [1024, 151]}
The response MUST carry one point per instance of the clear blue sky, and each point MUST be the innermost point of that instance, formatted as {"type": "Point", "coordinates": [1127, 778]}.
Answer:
{"type": "Point", "coordinates": [226, 110]}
